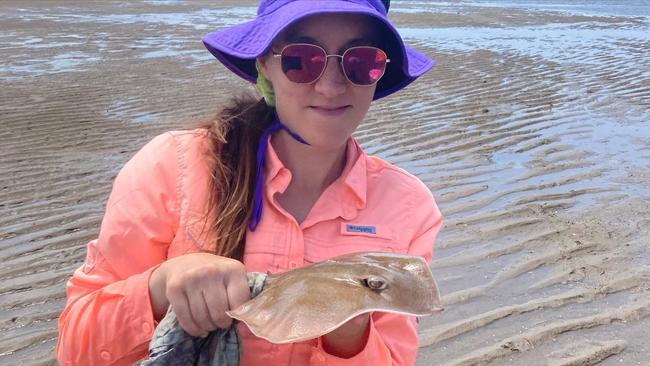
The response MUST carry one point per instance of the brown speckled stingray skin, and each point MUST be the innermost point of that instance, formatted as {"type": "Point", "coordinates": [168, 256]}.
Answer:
{"type": "Point", "coordinates": [314, 300]}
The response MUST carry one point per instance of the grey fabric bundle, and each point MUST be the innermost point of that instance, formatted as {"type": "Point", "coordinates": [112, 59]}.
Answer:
{"type": "Point", "coordinates": [171, 345]}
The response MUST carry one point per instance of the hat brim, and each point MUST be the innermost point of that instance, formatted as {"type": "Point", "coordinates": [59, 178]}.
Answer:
{"type": "Point", "coordinates": [237, 47]}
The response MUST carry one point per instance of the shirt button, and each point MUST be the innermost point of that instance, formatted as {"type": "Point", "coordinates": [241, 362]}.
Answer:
{"type": "Point", "coordinates": [105, 355]}
{"type": "Point", "coordinates": [146, 327]}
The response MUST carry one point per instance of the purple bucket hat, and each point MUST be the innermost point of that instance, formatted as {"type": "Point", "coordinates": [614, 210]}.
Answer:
{"type": "Point", "coordinates": [237, 47]}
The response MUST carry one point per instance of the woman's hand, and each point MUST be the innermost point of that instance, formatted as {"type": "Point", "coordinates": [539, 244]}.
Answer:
{"type": "Point", "coordinates": [200, 287]}
{"type": "Point", "coordinates": [348, 339]}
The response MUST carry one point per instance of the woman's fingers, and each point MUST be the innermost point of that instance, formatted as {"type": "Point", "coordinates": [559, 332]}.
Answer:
{"type": "Point", "coordinates": [184, 315]}
{"type": "Point", "coordinates": [237, 288]}
{"type": "Point", "coordinates": [215, 297]}
{"type": "Point", "coordinates": [201, 310]}
{"type": "Point", "coordinates": [202, 287]}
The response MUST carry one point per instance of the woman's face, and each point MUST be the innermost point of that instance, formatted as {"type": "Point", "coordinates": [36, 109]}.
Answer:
{"type": "Point", "coordinates": [326, 112]}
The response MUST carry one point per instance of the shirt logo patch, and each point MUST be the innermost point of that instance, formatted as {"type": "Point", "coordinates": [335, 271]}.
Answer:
{"type": "Point", "coordinates": [361, 229]}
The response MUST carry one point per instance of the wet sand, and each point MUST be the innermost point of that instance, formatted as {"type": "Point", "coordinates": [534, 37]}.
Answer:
{"type": "Point", "coordinates": [532, 131]}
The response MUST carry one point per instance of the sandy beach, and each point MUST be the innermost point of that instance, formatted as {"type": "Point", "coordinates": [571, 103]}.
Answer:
{"type": "Point", "coordinates": [533, 132]}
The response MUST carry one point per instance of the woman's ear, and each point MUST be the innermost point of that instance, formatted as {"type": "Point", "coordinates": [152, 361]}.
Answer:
{"type": "Point", "coordinates": [263, 85]}
{"type": "Point", "coordinates": [262, 65]}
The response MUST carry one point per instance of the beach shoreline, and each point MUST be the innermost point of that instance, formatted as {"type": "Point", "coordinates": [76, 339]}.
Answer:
{"type": "Point", "coordinates": [531, 131]}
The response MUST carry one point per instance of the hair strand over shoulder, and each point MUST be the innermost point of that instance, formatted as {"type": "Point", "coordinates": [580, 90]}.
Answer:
{"type": "Point", "coordinates": [233, 139]}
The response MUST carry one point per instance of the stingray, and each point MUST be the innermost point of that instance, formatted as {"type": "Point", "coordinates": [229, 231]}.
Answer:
{"type": "Point", "coordinates": [314, 300]}
{"type": "Point", "coordinates": [306, 303]}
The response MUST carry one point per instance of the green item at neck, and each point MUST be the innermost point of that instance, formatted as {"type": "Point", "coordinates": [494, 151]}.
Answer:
{"type": "Point", "coordinates": [264, 87]}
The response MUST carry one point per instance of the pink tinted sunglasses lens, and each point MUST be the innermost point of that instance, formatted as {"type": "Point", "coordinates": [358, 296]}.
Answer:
{"type": "Point", "coordinates": [304, 63]}
{"type": "Point", "coordinates": [364, 65]}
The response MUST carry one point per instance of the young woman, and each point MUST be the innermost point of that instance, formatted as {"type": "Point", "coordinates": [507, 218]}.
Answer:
{"type": "Point", "coordinates": [271, 185]}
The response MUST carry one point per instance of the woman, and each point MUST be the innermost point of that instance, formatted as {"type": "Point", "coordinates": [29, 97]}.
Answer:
{"type": "Point", "coordinates": [271, 185]}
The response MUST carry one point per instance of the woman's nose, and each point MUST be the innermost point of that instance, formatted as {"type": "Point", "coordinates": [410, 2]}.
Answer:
{"type": "Point", "coordinates": [332, 83]}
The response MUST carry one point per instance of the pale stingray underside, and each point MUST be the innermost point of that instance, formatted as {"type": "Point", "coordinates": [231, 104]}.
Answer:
{"type": "Point", "coordinates": [311, 301]}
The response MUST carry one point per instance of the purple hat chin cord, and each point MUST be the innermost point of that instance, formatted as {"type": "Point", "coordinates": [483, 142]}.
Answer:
{"type": "Point", "coordinates": [277, 125]}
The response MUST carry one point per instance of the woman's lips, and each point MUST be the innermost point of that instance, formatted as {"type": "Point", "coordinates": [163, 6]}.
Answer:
{"type": "Point", "coordinates": [330, 111]}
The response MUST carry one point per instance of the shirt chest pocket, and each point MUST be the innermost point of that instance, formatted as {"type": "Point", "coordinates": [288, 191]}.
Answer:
{"type": "Point", "coordinates": [265, 250]}
{"type": "Point", "coordinates": [353, 238]}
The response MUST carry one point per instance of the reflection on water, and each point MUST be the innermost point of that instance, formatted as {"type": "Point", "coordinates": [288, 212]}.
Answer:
{"type": "Point", "coordinates": [63, 62]}
{"type": "Point", "coordinates": [105, 46]}
{"type": "Point", "coordinates": [204, 19]}
{"type": "Point", "coordinates": [574, 7]}
{"type": "Point", "coordinates": [555, 42]}
{"type": "Point", "coordinates": [126, 110]}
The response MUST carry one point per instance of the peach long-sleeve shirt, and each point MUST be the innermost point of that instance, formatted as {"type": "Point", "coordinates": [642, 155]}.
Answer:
{"type": "Point", "coordinates": [156, 211]}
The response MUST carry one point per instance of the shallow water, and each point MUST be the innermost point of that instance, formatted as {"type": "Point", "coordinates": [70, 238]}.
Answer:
{"type": "Point", "coordinates": [575, 43]}
{"type": "Point", "coordinates": [575, 7]}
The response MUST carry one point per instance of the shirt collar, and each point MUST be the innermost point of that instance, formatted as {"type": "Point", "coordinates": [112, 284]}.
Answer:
{"type": "Point", "coordinates": [351, 184]}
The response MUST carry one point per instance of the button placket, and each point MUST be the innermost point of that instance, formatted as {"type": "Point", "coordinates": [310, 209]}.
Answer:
{"type": "Point", "coordinates": [297, 254]}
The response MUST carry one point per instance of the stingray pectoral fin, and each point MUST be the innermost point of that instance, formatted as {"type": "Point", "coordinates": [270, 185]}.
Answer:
{"type": "Point", "coordinates": [280, 322]}
{"type": "Point", "coordinates": [286, 324]}
{"type": "Point", "coordinates": [283, 329]}
{"type": "Point", "coordinates": [300, 309]}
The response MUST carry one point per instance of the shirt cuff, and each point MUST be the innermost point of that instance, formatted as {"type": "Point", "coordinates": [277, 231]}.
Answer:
{"type": "Point", "coordinates": [138, 315]}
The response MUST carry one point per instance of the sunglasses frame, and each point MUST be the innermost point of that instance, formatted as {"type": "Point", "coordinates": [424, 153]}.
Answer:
{"type": "Point", "coordinates": [327, 57]}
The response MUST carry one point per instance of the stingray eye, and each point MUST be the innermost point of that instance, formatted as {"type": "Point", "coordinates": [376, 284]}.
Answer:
{"type": "Point", "coordinates": [375, 283]}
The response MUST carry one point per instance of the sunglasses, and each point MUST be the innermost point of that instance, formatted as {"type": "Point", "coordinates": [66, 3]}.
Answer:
{"type": "Point", "coordinates": [305, 63]}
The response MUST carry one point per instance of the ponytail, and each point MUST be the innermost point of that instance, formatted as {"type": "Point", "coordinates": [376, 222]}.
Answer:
{"type": "Point", "coordinates": [233, 141]}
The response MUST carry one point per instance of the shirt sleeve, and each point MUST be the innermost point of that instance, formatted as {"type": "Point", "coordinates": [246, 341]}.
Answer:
{"type": "Point", "coordinates": [108, 318]}
{"type": "Point", "coordinates": [393, 339]}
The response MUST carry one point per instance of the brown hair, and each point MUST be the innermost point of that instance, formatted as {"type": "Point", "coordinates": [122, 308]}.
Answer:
{"type": "Point", "coordinates": [233, 139]}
